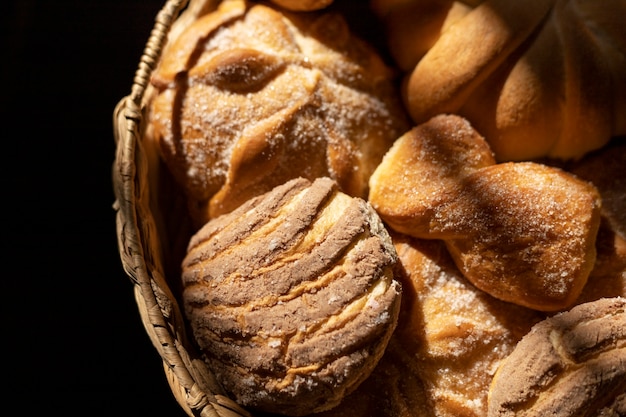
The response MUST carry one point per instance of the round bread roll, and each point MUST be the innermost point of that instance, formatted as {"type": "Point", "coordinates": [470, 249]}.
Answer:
{"type": "Point", "coordinates": [522, 231]}
{"type": "Point", "coordinates": [569, 365]}
{"type": "Point", "coordinates": [248, 97]}
{"type": "Point", "coordinates": [291, 297]}
{"type": "Point", "coordinates": [538, 78]}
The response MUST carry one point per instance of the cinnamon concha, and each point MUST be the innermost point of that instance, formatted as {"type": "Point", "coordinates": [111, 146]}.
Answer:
{"type": "Point", "coordinates": [250, 96]}
{"type": "Point", "coordinates": [571, 364]}
{"type": "Point", "coordinates": [292, 297]}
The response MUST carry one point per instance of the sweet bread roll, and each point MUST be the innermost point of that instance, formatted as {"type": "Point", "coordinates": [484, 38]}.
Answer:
{"type": "Point", "coordinates": [569, 365]}
{"type": "Point", "coordinates": [248, 97]}
{"type": "Point", "coordinates": [538, 78]}
{"type": "Point", "coordinates": [456, 334]}
{"type": "Point", "coordinates": [291, 297]}
{"type": "Point", "coordinates": [450, 339]}
{"type": "Point", "coordinates": [523, 232]}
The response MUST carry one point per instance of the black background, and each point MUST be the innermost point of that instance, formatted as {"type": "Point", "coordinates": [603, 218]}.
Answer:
{"type": "Point", "coordinates": [72, 338]}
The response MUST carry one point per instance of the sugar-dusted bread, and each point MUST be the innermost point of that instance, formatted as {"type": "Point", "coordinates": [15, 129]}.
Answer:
{"type": "Point", "coordinates": [250, 96]}
{"type": "Point", "coordinates": [538, 77]}
{"type": "Point", "coordinates": [569, 365]}
{"type": "Point", "coordinates": [451, 338]}
{"type": "Point", "coordinates": [292, 297]}
{"type": "Point", "coordinates": [522, 231]}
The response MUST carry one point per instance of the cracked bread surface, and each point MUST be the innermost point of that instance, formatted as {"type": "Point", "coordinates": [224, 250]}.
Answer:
{"type": "Point", "coordinates": [570, 364]}
{"type": "Point", "coordinates": [291, 297]}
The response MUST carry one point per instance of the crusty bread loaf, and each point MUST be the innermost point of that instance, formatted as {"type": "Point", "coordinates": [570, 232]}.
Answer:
{"type": "Point", "coordinates": [292, 296]}
{"type": "Point", "coordinates": [249, 96]}
{"type": "Point", "coordinates": [569, 365]}
{"type": "Point", "coordinates": [537, 78]}
{"type": "Point", "coordinates": [524, 232]}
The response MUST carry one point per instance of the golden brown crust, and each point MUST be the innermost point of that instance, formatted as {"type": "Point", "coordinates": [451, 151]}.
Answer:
{"type": "Point", "coordinates": [291, 297]}
{"type": "Point", "coordinates": [421, 172]}
{"type": "Point", "coordinates": [537, 78]}
{"type": "Point", "coordinates": [413, 27]}
{"type": "Point", "coordinates": [523, 232]}
{"type": "Point", "coordinates": [455, 334]}
{"type": "Point", "coordinates": [533, 242]}
{"type": "Point", "coordinates": [468, 52]}
{"type": "Point", "coordinates": [303, 5]}
{"type": "Point", "coordinates": [250, 96]}
{"type": "Point", "coordinates": [449, 341]}
{"type": "Point", "coordinates": [571, 364]}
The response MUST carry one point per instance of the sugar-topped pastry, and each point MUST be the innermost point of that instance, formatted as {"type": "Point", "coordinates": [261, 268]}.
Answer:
{"type": "Point", "coordinates": [250, 96]}
{"type": "Point", "coordinates": [571, 364]}
{"type": "Point", "coordinates": [524, 232]}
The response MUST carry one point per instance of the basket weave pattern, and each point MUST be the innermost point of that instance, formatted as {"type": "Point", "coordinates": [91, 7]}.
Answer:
{"type": "Point", "coordinates": [140, 236]}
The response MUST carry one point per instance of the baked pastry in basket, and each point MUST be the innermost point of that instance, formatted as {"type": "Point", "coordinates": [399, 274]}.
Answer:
{"type": "Point", "coordinates": [249, 96]}
{"type": "Point", "coordinates": [569, 365]}
{"type": "Point", "coordinates": [451, 338]}
{"type": "Point", "coordinates": [537, 78]}
{"type": "Point", "coordinates": [522, 231]}
{"type": "Point", "coordinates": [292, 297]}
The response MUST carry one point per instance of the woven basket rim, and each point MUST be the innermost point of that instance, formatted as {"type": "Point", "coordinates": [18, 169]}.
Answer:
{"type": "Point", "coordinates": [196, 392]}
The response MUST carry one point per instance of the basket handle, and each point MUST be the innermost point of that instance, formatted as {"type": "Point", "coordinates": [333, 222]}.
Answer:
{"type": "Point", "coordinates": [129, 163]}
{"type": "Point", "coordinates": [127, 117]}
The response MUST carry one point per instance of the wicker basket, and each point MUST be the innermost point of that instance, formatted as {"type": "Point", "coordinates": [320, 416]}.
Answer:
{"type": "Point", "coordinates": [146, 243]}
